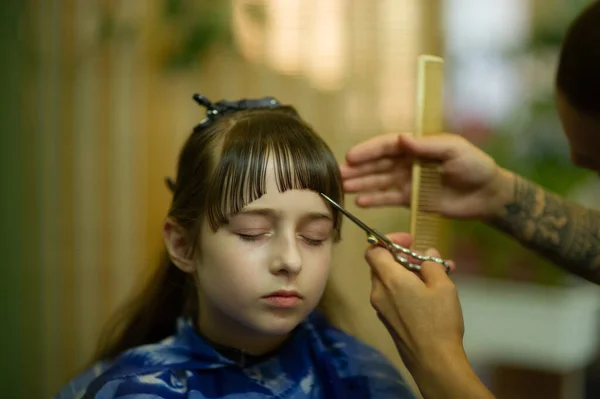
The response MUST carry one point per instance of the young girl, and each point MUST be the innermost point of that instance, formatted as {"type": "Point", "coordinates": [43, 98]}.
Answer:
{"type": "Point", "coordinates": [232, 312]}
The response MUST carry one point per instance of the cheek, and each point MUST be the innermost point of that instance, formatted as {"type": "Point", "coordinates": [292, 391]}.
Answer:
{"type": "Point", "coordinates": [318, 264]}
{"type": "Point", "coordinates": [234, 267]}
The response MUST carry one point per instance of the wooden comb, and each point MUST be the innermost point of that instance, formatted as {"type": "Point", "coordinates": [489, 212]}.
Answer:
{"type": "Point", "coordinates": [425, 221]}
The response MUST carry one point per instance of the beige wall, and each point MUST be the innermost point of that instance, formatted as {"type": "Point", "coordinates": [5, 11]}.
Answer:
{"type": "Point", "coordinates": [107, 123]}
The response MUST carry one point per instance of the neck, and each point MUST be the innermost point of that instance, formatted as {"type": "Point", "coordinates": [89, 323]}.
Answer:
{"type": "Point", "coordinates": [223, 331]}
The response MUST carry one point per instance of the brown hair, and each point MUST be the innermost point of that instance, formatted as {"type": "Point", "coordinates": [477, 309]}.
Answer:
{"type": "Point", "coordinates": [578, 74]}
{"type": "Point", "coordinates": [220, 169]}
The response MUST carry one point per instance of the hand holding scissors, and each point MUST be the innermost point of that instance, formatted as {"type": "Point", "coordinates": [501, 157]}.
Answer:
{"type": "Point", "coordinates": [401, 255]}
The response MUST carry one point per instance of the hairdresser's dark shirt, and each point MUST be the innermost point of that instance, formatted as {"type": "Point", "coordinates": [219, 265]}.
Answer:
{"type": "Point", "coordinates": [318, 361]}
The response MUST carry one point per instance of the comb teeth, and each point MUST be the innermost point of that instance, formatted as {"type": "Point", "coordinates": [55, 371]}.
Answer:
{"type": "Point", "coordinates": [425, 223]}
{"type": "Point", "coordinates": [429, 195]}
{"type": "Point", "coordinates": [427, 231]}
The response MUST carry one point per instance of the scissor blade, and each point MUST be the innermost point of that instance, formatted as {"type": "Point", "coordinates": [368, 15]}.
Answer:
{"type": "Point", "coordinates": [357, 221]}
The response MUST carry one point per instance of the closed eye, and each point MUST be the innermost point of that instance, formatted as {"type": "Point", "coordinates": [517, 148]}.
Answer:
{"type": "Point", "coordinates": [250, 237]}
{"type": "Point", "coordinates": [258, 237]}
{"type": "Point", "coordinates": [312, 242]}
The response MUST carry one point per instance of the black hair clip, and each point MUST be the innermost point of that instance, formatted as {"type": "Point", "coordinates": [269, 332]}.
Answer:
{"type": "Point", "coordinates": [224, 107]}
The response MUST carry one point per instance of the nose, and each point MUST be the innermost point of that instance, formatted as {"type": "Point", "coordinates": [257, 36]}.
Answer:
{"type": "Point", "coordinates": [287, 258]}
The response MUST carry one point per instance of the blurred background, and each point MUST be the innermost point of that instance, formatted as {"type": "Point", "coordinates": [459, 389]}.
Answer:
{"type": "Point", "coordinates": [98, 103]}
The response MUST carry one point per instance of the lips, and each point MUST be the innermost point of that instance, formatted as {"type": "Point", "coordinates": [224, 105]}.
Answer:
{"type": "Point", "coordinates": [283, 299]}
{"type": "Point", "coordinates": [284, 294]}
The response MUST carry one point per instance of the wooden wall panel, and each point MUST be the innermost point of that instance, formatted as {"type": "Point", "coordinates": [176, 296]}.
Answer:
{"type": "Point", "coordinates": [110, 121]}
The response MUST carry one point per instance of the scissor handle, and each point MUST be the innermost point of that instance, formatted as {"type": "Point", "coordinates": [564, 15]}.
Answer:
{"type": "Point", "coordinates": [397, 250]}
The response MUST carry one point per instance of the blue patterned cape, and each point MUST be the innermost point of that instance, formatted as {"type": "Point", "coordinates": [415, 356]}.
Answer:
{"type": "Point", "coordinates": [318, 361]}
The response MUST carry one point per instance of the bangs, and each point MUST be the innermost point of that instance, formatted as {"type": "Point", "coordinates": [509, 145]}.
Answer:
{"type": "Point", "coordinates": [301, 160]}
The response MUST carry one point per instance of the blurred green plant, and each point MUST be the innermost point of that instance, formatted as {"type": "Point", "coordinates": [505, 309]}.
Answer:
{"type": "Point", "coordinates": [188, 31]}
{"type": "Point", "coordinates": [532, 144]}
{"type": "Point", "coordinates": [197, 27]}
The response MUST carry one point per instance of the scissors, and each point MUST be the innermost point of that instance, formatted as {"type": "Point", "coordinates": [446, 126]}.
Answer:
{"type": "Point", "coordinates": [397, 251]}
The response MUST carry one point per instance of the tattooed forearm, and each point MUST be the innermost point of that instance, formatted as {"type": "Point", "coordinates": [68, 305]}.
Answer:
{"type": "Point", "coordinates": [565, 233]}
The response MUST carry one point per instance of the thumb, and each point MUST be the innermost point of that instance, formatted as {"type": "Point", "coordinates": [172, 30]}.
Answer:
{"type": "Point", "coordinates": [441, 147]}
{"type": "Point", "coordinates": [433, 273]}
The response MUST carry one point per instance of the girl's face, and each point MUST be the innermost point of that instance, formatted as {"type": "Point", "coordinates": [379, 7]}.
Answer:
{"type": "Point", "coordinates": [262, 273]}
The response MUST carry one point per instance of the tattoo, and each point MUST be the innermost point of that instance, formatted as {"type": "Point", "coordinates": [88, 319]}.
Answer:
{"type": "Point", "coordinates": [566, 234]}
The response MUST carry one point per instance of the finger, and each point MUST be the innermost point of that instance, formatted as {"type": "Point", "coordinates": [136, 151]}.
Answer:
{"type": "Point", "coordinates": [432, 273]}
{"type": "Point", "coordinates": [376, 166]}
{"type": "Point", "coordinates": [389, 327]}
{"type": "Point", "coordinates": [432, 252]}
{"type": "Point", "coordinates": [377, 147]}
{"type": "Point", "coordinates": [390, 272]}
{"type": "Point", "coordinates": [441, 147]}
{"type": "Point", "coordinates": [374, 182]}
{"type": "Point", "coordinates": [377, 296]}
{"type": "Point", "coordinates": [380, 297]}
{"type": "Point", "coordinates": [452, 265]}
{"type": "Point", "coordinates": [387, 198]}
{"type": "Point", "coordinates": [403, 239]}
{"type": "Point", "coordinates": [382, 319]}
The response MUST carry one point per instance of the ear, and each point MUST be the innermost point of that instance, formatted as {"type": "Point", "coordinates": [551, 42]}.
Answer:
{"type": "Point", "coordinates": [178, 245]}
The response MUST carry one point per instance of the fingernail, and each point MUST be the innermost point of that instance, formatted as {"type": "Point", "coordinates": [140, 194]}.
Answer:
{"type": "Point", "coordinates": [431, 252]}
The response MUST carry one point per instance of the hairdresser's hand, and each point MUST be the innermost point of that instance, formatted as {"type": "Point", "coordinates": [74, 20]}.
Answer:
{"type": "Point", "coordinates": [422, 313]}
{"type": "Point", "coordinates": [379, 171]}
{"type": "Point", "coordinates": [421, 308]}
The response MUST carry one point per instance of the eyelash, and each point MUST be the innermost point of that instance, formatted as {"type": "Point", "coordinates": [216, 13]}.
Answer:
{"type": "Point", "coordinates": [247, 237]}
{"type": "Point", "coordinates": [314, 243]}
{"type": "Point", "coordinates": [251, 238]}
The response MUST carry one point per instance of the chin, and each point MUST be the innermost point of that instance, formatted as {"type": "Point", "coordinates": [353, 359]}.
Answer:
{"type": "Point", "coordinates": [278, 322]}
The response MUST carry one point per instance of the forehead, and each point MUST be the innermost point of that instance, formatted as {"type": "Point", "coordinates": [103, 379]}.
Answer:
{"type": "Point", "coordinates": [279, 170]}
{"type": "Point", "coordinates": [291, 200]}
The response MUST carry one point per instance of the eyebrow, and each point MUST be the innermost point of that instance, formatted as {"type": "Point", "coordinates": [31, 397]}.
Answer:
{"type": "Point", "coordinates": [271, 213]}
